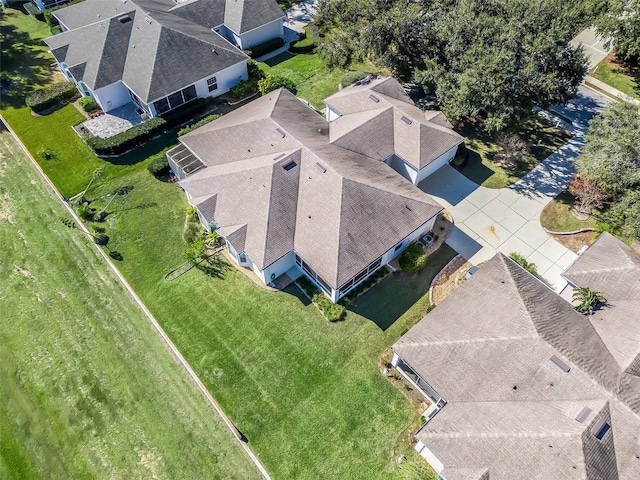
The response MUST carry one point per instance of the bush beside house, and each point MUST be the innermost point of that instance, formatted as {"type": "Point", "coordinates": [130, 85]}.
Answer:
{"type": "Point", "coordinates": [413, 259]}
{"type": "Point", "coordinates": [332, 311]}
{"type": "Point", "coordinates": [265, 47]}
{"type": "Point", "coordinates": [87, 103]}
{"type": "Point", "coordinates": [273, 82]}
{"type": "Point", "coordinates": [47, 97]}
{"type": "Point", "coordinates": [130, 138]}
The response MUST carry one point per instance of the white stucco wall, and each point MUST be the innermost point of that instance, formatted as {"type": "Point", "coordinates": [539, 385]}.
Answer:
{"type": "Point", "coordinates": [428, 455]}
{"type": "Point", "coordinates": [227, 78]}
{"type": "Point", "coordinates": [330, 115]}
{"type": "Point", "coordinates": [112, 96]}
{"type": "Point", "coordinates": [404, 169]}
{"type": "Point", "coordinates": [278, 267]}
{"type": "Point", "coordinates": [257, 35]}
{"type": "Point", "coordinates": [412, 237]}
{"type": "Point", "coordinates": [439, 162]}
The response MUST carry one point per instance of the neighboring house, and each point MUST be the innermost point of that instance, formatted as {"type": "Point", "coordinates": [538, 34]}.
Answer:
{"type": "Point", "coordinates": [268, 179]}
{"type": "Point", "coordinates": [156, 53]}
{"type": "Point", "coordinates": [376, 118]}
{"type": "Point", "coordinates": [524, 387]}
{"type": "Point", "coordinates": [42, 5]}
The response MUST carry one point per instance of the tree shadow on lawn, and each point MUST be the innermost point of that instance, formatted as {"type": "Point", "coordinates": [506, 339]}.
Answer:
{"type": "Point", "coordinates": [24, 66]}
{"type": "Point", "coordinates": [387, 301]}
{"type": "Point", "coordinates": [214, 266]}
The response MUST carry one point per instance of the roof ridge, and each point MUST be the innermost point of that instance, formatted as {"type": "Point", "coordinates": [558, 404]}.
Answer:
{"type": "Point", "coordinates": [514, 338]}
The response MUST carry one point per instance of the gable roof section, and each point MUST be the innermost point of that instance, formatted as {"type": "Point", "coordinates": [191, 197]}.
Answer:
{"type": "Point", "coordinates": [418, 137]}
{"type": "Point", "coordinates": [153, 54]}
{"type": "Point", "coordinates": [338, 209]}
{"type": "Point", "coordinates": [486, 349]}
{"type": "Point", "coordinates": [244, 15]}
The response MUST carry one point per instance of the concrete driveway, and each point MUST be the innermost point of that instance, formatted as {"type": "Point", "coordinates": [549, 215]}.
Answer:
{"type": "Point", "coordinates": [593, 46]}
{"type": "Point", "coordinates": [506, 220]}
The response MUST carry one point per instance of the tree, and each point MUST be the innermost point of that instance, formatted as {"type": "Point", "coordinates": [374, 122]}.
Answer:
{"type": "Point", "coordinates": [587, 299]}
{"type": "Point", "coordinates": [623, 30]}
{"type": "Point", "coordinates": [587, 194]}
{"type": "Point", "coordinates": [514, 147]}
{"type": "Point", "coordinates": [273, 82]}
{"type": "Point", "coordinates": [611, 156]}
{"type": "Point", "coordinates": [624, 215]}
{"type": "Point", "coordinates": [524, 263]}
{"type": "Point", "coordinates": [196, 252]}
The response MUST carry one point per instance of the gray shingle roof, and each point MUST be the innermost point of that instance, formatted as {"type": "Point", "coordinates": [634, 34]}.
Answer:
{"type": "Point", "coordinates": [417, 137]}
{"type": "Point", "coordinates": [244, 15]}
{"type": "Point", "coordinates": [498, 331]}
{"type": "Point", "coordinates": [153, 54]}
{"type": "Point", "coordinates": [338, 209]}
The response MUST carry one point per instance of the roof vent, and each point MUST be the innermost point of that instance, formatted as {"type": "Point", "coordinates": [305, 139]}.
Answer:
{"type": "Point", "coordinates": [560, 363]}
{"type": "Point", "coordinates": [406, 120]}
{"type": "Point", "coordinates": [320, 167]}
{"type": "Point", "coordinates": [148, 20]}
{"type": "Point", "coordinates": [281, 132]}
{"type": "Point", "coordinates": [289, 166]}
{"type": "Point", "coordinates": [583, 415]}
{"type": "Point", "coordinates": [124, 18]}
{"type": "Point", "coordinates": [407, 207]}
{"type": "Point", "coordinates": [374, 98]}
{"type": "Point", "coordinates": [282, 155]}
{"type": "Point", "coordinates": [600, 428]}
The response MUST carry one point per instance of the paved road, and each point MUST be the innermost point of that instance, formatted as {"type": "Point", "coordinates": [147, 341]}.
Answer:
{"type": "Point", "coordinates": [507, 220]}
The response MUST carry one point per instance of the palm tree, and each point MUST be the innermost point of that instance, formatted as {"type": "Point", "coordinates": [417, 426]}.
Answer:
{"type": "Point", "coordinates": [587, 299]}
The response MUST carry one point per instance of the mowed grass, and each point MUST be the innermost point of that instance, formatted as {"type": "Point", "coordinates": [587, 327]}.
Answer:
{"type": "Point", "coordinates": [310, 73]}
{"type": "Point", "coordinates": [88, 389]}
{"type": "Point", "coordinates": [542, 138]}
{"type": "Point", "coordinates": [557, 216]}
{"type": "Point", "coordinates": [622, 77]}
{"type": "Point", "coordinates": [308, 394]}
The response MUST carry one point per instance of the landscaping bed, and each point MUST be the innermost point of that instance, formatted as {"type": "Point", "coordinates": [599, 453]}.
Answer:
{"type": "Point", "coordinates": [557, 217]}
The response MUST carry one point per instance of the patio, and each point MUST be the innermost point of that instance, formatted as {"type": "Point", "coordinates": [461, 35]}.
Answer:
{"type": "Point", "coordinates": [114, 122]}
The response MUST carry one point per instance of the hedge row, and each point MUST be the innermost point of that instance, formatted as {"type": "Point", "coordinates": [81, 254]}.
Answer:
{"type": "Point", "coordinates": [49, 96]}
{"type": "Point", "coordinates": [130, 138]}
{"type": "Point", "coordinates": [186, 112]}
{"type": "Point", "coordinates": [332, 311]}
{"type": "Point", "coordinates": [204, 121]}
{"type": "Point", "coordinates": [244, 88]}
{"type": "Point", "coordinates": [294, 47]}
{"type": "Point", "coordinates": [265, 47]}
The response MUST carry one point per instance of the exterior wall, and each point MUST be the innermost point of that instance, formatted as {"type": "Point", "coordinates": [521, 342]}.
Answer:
{"type": "Point", "coordinates": [404, 169]}
{"type": "Point", "coordinates": [278, 267]}
{"type": "Point", "coordinates": [227, 78]}
{"type": "Point", "coordinates": [330, 115]}
{"type": "Point", "coordinates": [257, 35]}
{"type": "Point", "coordinates": [112, 96]}
{"type": "Point", "coordinates": [439, 162]}
{"type": "Point", "coordinates": [425, 453]}
{"type": "Point", "coordinates": [412, 237]}
{"type": "Point", "coordinates": [44, 4]}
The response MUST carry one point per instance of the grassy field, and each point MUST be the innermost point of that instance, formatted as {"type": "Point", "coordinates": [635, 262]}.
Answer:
{"type": "Point", "coordinates": [542, 138]}
{"type": "Point", "coordinates": [311, 75]}
{"type": "Point", "coordinates": [557, 217]}
{"type": "Point", "coordinates": [616, 74]}
{"type": "Point", "coordinates": [88, 390]}
{"type": "Point", "coordinates": [307, 393]}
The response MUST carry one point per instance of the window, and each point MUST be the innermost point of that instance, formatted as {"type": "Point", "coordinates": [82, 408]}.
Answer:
{"type": "Point", "coordinates": [398, 247]}
{"type": "Point", "coordinates": [289, 166]}
{"type": "Point", "coordinates": [243, 257]}
{"type": "Point", "coordinates": [175, 99]}
{"type": "Point", "coordinates": [189, 93]}
{"type": "Point", "coordinates": [212, 84]}
{"type": "Point", "coordinates": [161, 106]}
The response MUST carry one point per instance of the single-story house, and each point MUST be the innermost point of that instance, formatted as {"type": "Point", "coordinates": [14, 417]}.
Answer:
{"type": "Point", "coordinates": [268, 178]}
{"type": "Point", "coordinates": [376, 117]}
{"type": "Point", "coordinates": [156, 53]}
{"type": "Point", "coordinates": [524, 387]}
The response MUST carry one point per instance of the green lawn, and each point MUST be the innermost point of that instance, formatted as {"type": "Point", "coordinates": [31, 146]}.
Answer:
{"type": "Point", "coordinates": [616, 74]}
{"type": "Point", "coordinates": [481, 146]}
{"type": "Point", "coordinates": [88, 389]}
{"type": "Point", "coordinates": [307, 393]}
{"type": "Point", "coordinates": [310, 73]}
{"type": "Point", "coordinates": [557, 217]}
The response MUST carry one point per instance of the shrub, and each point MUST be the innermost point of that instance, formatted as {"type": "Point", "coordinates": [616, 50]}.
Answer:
{"type": "Point", "coordinates": [101, 239]}
{"type": "Point", "coordinates": [45, 154]}
{"type": "Point", "coordinates": [87, 103]}
{"type": "Point", "coordinates": [413, 259]}
{"type": "Point", "coordinates": [123, 141]}
{"type": "Point", "coordinates": [352, 77]}
{"type": "Point", "coordinates": [253, 69]}
{"type": "Point", "coordinates": [332, 311]}
{"type": "Point", "coordinates": [56, 29]}
{"type": "Point", "coordinates": [520, 260]}
{"type": "Point", "coordinates": [204, 121]}
{"type": "Point", "coordinates": [196, 252]}
{"type": "Point", "coordinates": [84, 211]}
{"type": "Point", "coordinates": [273, 82]}
{"type": "Point", "coordinates": [266, 47]}
{"type": "Point", "coordinates": [159, 164]}
{"type": "Point", "coordinates": [192, 214]}
{"type": "Point", "coordinates": [49, 96]}
{"type": "Point", "coordinates": [244, 88]}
